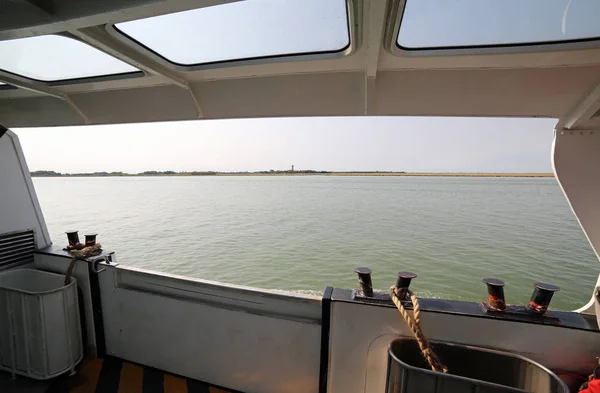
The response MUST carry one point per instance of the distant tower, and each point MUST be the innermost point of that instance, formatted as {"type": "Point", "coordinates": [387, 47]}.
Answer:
{"type": "Point", "coordinates": [292, 168]}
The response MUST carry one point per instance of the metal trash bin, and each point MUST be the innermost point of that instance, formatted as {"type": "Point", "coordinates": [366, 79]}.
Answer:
{"type": "Point", "coordinates": [470, 369]}
{"type": "Point", "coordinates": [40, 332]}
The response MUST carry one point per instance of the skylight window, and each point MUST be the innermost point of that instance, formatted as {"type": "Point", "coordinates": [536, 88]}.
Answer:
{"type": "Point", "coordinates": [52, 58]}
{"type": "Point", "coordinates": [244, 30]}
{"type": "Point", "coordinates": [433, 24]}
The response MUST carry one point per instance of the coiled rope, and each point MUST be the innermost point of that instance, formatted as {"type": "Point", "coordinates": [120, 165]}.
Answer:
{"type": "Point", "coordinates": [81, 255]}
{"type": "Point", "coordinates": [414, 324]}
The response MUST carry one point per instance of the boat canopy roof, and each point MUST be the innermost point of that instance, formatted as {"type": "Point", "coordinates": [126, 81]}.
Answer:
{"type": "Point", "coordinates": [76, 62]}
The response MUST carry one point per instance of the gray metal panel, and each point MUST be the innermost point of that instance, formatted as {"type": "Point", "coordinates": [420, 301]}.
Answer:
{"type": "Point", "coordinates": [526, 92]}
{"type": "Point", "coordinates": [38, 111]}
{"type": "Point", "coordinates": [19, 206]}
{"type": "Point", "coordinates": [160, 103]}
{"type": "Point", "coordinates": [16, 248]}
{"type": "Point", "coordinates": [239, 298]}
{"type": "Point", "coordinates": [215, 336]}
{"type": "Point", "coordinates": [535, 92]}
{"type": "Point", "coordinates": [326, 94]}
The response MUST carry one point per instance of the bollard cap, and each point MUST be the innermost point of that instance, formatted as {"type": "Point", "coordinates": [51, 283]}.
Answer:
{"type": "Point", "coordinates": [406, 275]}
{"type": "Point", "coordinates": [362, 270]}
{"type": "Point", "coordinates": [494, 282]}
{"type": "Point", "coordinates": [546, 287]}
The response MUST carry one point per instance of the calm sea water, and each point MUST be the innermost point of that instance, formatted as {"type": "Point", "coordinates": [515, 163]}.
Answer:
{"type": "Point", "coordinates": [304, 233]}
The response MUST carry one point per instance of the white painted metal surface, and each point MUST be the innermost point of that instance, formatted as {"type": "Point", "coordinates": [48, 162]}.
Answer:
{"type": "Point", "coordinates": [231, 336]}
{"type": "Point", "coordinates": [19, 207]}
{"type": "Point", "coordinates": [576, 164]}
{"type": "Point", "coordinates": [361, 334]}
{"type": "Point", "coordinates": [40, 336]}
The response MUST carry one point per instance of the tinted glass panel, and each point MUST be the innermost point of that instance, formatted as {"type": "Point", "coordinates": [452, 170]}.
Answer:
{"type": "Point", "coordinates": [465, 23]}
{"type": "Point", "coordinates": [244, 30]}
{"type": "Point", "coordinates": [54, 58]}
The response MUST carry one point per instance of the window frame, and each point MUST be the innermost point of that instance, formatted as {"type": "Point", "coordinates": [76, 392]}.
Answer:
{"type": "Point", "coordinates": [6, 86]}
{"type": "Point", "coordinates": [352, 14]}
{"type": "Point", "coordinates": [396, 14]}
{"type": "Point", "coordinates": [73, 81]}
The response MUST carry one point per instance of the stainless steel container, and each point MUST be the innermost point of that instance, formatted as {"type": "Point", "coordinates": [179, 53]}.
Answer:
{"type": "Point", "coordinates": [40, 335]}
{"type": "Point", "coordinates": [470, 369]}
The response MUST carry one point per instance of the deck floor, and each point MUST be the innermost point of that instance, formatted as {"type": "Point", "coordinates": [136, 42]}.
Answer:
{"type": "Point", "coordinates": [110, 375]}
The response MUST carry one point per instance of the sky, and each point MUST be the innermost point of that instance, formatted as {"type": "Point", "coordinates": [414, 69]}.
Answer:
{"type": "Point", "coordinates": [413, 144]}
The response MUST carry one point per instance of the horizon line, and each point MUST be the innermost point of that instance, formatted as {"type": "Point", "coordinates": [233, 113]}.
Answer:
{"type": "Point", "coordinates": [50, 173]}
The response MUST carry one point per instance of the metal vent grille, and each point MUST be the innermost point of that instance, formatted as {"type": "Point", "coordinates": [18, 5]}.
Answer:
{"type": "Point", "coordinates": [16, 248]}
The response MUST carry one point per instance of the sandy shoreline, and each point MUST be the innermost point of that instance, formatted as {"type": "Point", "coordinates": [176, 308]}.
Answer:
{"type": "Point", "coordinates": [450, 174]}
{"type": "Point", "coordinates": [299, 173]}
{"type": "Point", "coordinates": [416, 174]}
